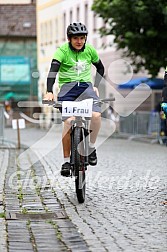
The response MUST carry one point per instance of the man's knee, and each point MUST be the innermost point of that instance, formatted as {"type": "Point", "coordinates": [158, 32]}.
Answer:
{"type": "Point", "coordinates": [67, 123]}
{"type": "Point", "coordinates": [96, 116]}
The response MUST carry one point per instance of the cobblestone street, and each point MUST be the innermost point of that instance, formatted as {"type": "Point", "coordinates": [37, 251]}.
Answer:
{"type": "Point", "coordinates": [124, 208]}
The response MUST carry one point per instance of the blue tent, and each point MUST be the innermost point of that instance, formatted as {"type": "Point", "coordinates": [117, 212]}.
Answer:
{"type": "Point", "coordinates": [154, 83]}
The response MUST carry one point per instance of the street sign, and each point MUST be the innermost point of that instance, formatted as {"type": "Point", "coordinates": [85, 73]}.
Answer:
{"type": "Point", "coordinates": [20, 124]}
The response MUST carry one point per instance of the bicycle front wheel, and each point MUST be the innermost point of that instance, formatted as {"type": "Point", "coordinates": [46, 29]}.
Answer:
{"type": "Point", "coordinates": [79, 164]}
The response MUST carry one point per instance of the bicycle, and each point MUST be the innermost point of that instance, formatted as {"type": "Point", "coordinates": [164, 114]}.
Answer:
{"type": "Point", "coordinates": [79, 138]}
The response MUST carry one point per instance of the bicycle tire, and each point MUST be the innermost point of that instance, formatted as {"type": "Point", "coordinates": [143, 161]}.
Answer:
{"type": "Point", "coordinates": [79, 164]}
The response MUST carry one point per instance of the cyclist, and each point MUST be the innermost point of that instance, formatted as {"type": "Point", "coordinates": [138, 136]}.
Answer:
{"type": "Point", "coordinates": [164, 94]}
{"type": "Point", "coordinates": [73, 61]}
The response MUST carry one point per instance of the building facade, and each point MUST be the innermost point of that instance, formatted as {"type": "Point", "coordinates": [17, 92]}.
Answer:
{"type": "Point", "coordinates": [18, 49]}
{"type": "Point", "coordinates": [53, 17]}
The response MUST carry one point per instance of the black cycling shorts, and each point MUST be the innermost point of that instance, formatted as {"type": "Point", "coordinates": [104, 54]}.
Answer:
{"type": "Point", "coordinates": [78, 90]}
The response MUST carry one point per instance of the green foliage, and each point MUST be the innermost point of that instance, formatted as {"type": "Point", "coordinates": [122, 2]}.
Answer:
{"type": "Point", "coordinates": [24, 210]}
{"type": "Point", "coordinates": [2, 215]}
{"type": "Point", "coordinates": [139, 27]}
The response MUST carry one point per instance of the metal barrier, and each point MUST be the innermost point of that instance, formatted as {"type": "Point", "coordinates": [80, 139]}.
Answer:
{"type": "Point", "coordinates": [142, 124]}
{"type": "Point", "coordinates": [2, 123]}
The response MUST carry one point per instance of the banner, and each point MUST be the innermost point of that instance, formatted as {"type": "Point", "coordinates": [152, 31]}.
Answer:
{"type": "Point", "coordinates": [14, 70]}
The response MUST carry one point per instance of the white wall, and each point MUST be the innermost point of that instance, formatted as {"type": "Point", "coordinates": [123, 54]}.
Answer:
{"type": "Point", "coordinates": [15, 1]}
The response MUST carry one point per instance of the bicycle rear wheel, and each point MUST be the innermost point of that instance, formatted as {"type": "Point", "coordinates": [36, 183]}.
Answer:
{"type": "Point", "coordinates": [79, 164]}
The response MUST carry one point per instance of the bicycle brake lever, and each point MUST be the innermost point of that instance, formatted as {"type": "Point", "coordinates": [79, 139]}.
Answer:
{"type": "Point", "coordinates": [49, 102]}
{"type": "Point", "coordinates": [57, 105]}
{"type": "Point", "coordinates": [106, 100]}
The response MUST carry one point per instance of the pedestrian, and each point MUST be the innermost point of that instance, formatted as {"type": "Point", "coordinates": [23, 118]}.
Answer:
{"type": "Point", "coordinates": [111, 114]}
{"type": "Point", "coordinates": [163, 128]}
{"type": "Point", "coordinates": [164, 103]}
{"type": "Point", "coordinates": [72, 61]}
{"type": "Point", "coordinates": [8, 112]}
{"type": "Point", "coordinates": [113, 118]}
{"type": "Point", "coordinates": [164, 94]}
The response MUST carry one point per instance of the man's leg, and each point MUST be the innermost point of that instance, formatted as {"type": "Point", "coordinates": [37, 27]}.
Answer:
{"type": "Point", "coordinates": [94, 128]}
{"type": "Point", "coordinates": [66, 142]}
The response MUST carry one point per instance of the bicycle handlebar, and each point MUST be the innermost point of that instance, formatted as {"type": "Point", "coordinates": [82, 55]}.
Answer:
{"type": "Point", "coordinates": [106, 100]}
{"type": "Point", "coordinates": [59, 104]}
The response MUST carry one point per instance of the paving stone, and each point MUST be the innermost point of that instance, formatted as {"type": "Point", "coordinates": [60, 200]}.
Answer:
{"type": "Point", "coordinates": [119, 212]}
{"type": "Point", "coordinates": [124, 209]}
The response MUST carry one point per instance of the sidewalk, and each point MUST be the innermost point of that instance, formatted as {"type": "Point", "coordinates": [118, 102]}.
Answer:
{"type": "Point", "coordinates": [31, 217]}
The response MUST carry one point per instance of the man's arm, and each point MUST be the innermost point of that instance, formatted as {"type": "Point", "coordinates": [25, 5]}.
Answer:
{"type": "Point", "coordinates": [100, 72]}
{"type": "Point", "coordinates": [55, 65]}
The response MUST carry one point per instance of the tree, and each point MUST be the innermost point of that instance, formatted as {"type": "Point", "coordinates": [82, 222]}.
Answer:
{"type": "Point", "coordinates": [139, 27]}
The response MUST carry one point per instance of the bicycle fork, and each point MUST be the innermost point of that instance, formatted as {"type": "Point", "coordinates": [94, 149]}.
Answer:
{"type": "Point", "coordinates": [86, 138]}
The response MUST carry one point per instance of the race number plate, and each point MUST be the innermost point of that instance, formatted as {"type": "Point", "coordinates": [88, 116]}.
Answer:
{"type": "Point", "coordinates": [77, 108]}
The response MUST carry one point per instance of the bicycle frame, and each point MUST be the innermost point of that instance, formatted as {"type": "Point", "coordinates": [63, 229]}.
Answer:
{"type": "Point", "coordinates": [79, 134]}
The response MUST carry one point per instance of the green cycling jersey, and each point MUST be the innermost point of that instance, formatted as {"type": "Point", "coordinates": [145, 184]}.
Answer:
{"type": "Point", "coordinates": [75, 66]}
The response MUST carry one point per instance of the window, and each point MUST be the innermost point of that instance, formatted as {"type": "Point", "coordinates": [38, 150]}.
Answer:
{"type": "Point", "coordinates": [70, 16]}
{"type": "Point", "coordinates": [50, 32]}
{"type": "Point", "coordinates": [94, 23]}
{"type": "Point", "coordinates": [86, 15]}
{"type": "Point", "coordinates": [64, 26]}
{"type": "Point", "coordinates": [56, 31]}
{"type": "Point", "coordinates": [78, 14]}
{"type": "Point", "coordinates": [45, 33]}
{"type": "Point", "coordinates": [104, 39]}
{"type": "Point", "coordinates": [41, 34]}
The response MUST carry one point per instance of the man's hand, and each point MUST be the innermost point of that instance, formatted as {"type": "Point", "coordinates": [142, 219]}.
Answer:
{"type": "Point", "coordinates": [164, 107]}
{"type": "Point", "coordinates": [49, 96]}
{"type": "Point", "coordinates": [96, 91]}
